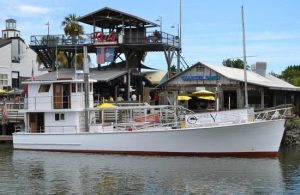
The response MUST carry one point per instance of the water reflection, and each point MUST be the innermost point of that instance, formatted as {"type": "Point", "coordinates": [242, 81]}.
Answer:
{"type": "Point", "coordinates": [290, 164]}
{"type": "Point", "coordinates": [63, 173]}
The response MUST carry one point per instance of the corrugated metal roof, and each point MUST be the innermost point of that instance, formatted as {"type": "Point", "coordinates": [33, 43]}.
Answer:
{"type": "Point", "coordinates": [237, 74]}
{"type": "Point", "coordinates": [103, 76]}
{"type": "Point", "coordinates": [253, 78]}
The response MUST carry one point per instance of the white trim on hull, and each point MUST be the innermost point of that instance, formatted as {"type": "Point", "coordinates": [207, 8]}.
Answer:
{"type": "Point", "coordinates": [248, 139]}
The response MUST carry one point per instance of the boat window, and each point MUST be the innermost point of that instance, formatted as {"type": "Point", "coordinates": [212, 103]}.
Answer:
{"type": "Point", "coordinates": [44, 88]}
{"type": "Point", "coordinates": [73, 87]}
{"type": "Point", "coordinates": [59, 117]}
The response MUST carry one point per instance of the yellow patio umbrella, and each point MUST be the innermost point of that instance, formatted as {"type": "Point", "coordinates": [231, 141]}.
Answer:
{"type": "Point", "coordinates": [183, 98]}
{"type": "Point", "coordinates": [203, 92]}
{"type": "Point", "coordinates": [2, 91]}
{"type": "Point", "coordinates": [106, 105]}
{"type": "Point", "coordinates": [209, 97]}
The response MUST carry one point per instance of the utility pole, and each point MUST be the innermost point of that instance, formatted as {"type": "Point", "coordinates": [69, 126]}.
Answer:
{"type": "Point", "coordinates": [179, 39]}
{"type": "Point", "coordinates": [245, 60]}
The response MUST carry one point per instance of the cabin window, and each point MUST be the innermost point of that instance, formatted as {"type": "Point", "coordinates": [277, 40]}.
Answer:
{"type": "Point", "coordinates": [44, 88]}
{"type": "Point", "coordinates": [3, 79]}
{"type": "Point", "coordinates": [59, 117]}
{"type": "Point", "coordinates": [73, 87]}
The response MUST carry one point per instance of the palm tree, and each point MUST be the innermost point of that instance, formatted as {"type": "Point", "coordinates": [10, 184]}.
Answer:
{"type": "Point", "coordinates": [71, 26]}
{"type": "Point", "coordinates": [73, 29]}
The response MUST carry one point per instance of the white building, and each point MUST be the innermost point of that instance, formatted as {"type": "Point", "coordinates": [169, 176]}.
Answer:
{"type": "Point", "coordinates": [17, 59]}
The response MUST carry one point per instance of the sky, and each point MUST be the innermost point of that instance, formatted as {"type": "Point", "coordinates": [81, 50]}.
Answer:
{"type": "Point", "coordinates": [211, 30]}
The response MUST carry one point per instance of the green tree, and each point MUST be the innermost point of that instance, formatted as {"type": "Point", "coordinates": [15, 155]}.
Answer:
{"type": "Point", "coordinates": [238, 63]}
{"type": "Point", "coordinates": [291, 74]}
{"type": "Point", "coordinates": [71, 26]}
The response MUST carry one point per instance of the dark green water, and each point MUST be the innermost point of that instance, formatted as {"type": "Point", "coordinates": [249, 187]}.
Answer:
{"type": "Point", "coordinates": [27, 172]}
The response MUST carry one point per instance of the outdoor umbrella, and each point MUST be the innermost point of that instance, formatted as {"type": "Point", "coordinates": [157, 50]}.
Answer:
{"type": "Point", "coordinates": [183, 98]}
{"type": "Point", "coordinates": [2, 91]}
{"type": "Point", "coordinates": [106, 105]}
{"type": "Point", "coordinates": [203, 92]}
{"type": "Point", "coordinates": [209, 97]}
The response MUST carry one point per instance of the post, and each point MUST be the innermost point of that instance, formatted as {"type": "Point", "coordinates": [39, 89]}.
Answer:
{"type": "Point", "coordinates": [262, 98]}
{"type": "Point", "coordinates": [179, 37]}
{"type": "Point", "coordinates": [86, 88]}
{"type": "Point", "coordinates": [245, 61]}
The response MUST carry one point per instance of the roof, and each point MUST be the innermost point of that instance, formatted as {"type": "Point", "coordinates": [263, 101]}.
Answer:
{"type": "Point", "coordinates": [254, 78]}
{"type": "Point", "coordinates": [111, 18]}
{"type": "Point", "coordinates": [103, 76]}
{"type": "Point", "coordinates": [4, 42]}
{"type": "Point", "coordinates": [269, 81]}
{"type": "Point", "coordinates": [155, 76]}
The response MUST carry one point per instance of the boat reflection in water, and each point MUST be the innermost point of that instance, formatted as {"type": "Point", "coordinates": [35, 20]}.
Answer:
{"type": "Point", "coordinates": [48, 173]}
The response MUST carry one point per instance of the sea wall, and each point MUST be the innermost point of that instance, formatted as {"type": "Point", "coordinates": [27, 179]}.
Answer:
{"type": "Point", "coordinates": [292, 133]}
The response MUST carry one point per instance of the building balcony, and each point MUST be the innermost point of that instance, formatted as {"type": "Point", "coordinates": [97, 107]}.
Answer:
{"type": "Point", "coordinates": [106, 39]}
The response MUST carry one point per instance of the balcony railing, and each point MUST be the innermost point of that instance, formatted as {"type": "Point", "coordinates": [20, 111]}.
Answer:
{"type": "Point", "coordinates": [105, 38]}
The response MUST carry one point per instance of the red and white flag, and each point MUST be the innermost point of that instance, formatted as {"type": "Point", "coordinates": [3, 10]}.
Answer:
{"type": "Point", "coordinates": [100, 55]}
{"type": "Point", "coordinates": [4, 112]}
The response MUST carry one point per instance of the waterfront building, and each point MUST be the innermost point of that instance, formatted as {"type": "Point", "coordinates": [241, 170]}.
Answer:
{"type": "Point", "coordinates": [120, 41]}
{"type": "Point", "coordinates": [18, 61]}
{"type": "Point", "coordinates": [227, 84]}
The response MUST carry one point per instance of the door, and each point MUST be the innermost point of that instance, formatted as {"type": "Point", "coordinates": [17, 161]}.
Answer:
{"type": "Point", "coordinates": [36, 122]}
{"type": "Point", "coordinates": [33, 123]}
{"type": "Point", "coordinates": [57, 96]}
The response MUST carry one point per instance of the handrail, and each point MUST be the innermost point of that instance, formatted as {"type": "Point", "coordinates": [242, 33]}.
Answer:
{"type": "Point", "coordinates": [273, 114]}
{"type": "Point", "coordinates": [105, 38]}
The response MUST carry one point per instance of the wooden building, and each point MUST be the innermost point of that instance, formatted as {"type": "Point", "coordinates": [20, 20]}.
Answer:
{"type": "Point", "coordinates": [264, 90]}
{"type": "Point", "coordinates": [130, 36]}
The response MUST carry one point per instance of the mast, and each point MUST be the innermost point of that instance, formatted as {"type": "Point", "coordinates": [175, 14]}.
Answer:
{"type": "Point", "coordinates": [86, 87]}
{"type": "Point", "coordinates": [245, 60]}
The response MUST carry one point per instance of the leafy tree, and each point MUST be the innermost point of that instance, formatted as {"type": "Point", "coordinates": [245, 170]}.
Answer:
{"type": "Point", "coordinates": [291, 74]}
{"type": "Point", "coordinates": [238, 63]}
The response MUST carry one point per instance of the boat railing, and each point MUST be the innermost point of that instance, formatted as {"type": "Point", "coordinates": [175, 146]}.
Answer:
{"type": "Point", "coordinates": [273, 114]}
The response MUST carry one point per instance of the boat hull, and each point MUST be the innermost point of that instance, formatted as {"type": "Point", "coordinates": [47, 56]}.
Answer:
{"type": "Point", "coordinates": [259, 139]}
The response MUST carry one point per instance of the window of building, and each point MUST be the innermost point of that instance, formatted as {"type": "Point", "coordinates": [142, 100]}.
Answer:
{"type": "Point", "coordinates": [91, 87]}
{"type": "Point", "coordinates": [79, 87]}
{"type": "Point", "coordinates": [44, 88]}
{"type": "Point", "coordinates": [3, 80]}
{"type": "Point", "coordinates": [59, 117]}
{"type": "Point", "coordinates": [200, 69]}
{"type": "Point", "coordinates": [73, 87]}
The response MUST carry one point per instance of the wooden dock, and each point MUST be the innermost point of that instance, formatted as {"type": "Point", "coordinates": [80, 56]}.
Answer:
{"type": "Point", "coordinates": [6, 138]}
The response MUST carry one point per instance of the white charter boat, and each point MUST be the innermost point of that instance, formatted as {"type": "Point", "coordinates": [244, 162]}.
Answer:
{"type": "Point", "coordinates": [55, 121]}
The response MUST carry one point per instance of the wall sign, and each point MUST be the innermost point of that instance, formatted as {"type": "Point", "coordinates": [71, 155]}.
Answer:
{"type": "Point", "coordinates": [199, 78]}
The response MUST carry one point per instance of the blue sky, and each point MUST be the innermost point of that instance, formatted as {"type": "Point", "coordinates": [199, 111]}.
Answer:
{"type": "Point", "coordinates": [211, 30]}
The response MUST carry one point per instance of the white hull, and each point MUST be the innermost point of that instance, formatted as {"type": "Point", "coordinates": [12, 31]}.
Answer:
{"type": "Point", "coordinates": [248, 139]}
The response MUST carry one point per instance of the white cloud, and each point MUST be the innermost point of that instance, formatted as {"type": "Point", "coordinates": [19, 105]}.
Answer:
{"type": "Point", "coordinates": [33, 10]}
